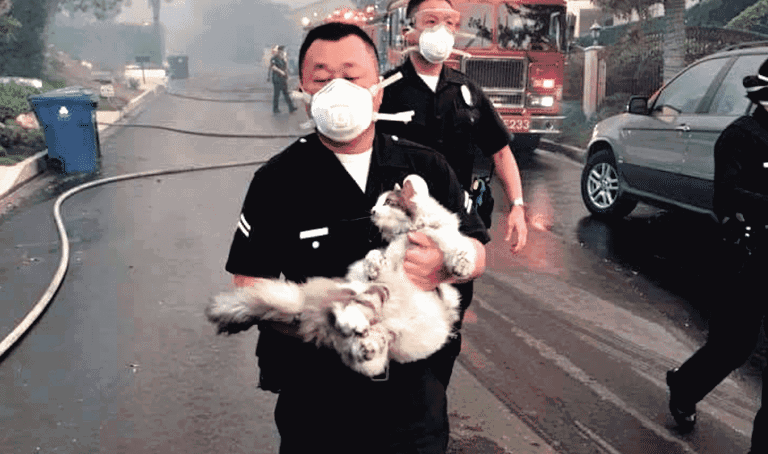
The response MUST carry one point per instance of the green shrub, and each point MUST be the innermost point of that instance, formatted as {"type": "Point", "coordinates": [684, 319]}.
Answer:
{"type": "Point", "coordinates": [133, 83]}
{"type": "Point", "coordinates": [13, 99]}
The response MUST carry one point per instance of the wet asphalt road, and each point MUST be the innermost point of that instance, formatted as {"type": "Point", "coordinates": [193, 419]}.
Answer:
{"type": "Point", "coordinates": [572, 336]}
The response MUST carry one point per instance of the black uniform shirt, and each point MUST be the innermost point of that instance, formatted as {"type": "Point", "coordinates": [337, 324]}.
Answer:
{"type": "Point", "coordinates": [458, 125]}
{"type": "Point", "coordinates": [278, 62]}
{"type": "Point", "coordinates": [305, 216]}
{"type": "Point", "coordinates": [741, 169]}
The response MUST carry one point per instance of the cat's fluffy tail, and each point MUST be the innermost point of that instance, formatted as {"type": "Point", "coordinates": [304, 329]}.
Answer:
{"type": "Point", "coordinates": [274, 300]}
{"type": "Point", "coordinates": [268, 299]}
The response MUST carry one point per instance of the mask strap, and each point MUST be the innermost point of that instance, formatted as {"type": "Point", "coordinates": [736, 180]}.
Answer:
{"type": "Point", "coordinates": [404, 117]}
{"type": "Point", "coordinates": [390, 80]}
{"type": "Point", "coordinates": [463, 34]}
{"type": "Point", "coordinates": [300, 95]}
{"type": "Point", "coordinates": [453, 51]}
{"type": "Point", "coordinates": [385, 83]}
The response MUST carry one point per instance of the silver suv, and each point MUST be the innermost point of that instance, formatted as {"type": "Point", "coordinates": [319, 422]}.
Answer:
{"type": "Point", "coordinates": [661, 151]}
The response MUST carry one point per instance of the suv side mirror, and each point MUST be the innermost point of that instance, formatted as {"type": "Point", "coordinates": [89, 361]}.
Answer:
{"type": "Point", "coordinates": [638, 105]}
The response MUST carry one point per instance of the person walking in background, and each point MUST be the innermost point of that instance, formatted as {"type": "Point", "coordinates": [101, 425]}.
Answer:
{"type": "Point", "coordinates": [268, 62]}
{"type": "Point", "coordinates": [741, 204]}
{"type": "Point", "coordinates": [278, 67]}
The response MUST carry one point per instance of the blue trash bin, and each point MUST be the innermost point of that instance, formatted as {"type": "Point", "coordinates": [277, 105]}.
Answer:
{"type": "Point", "coordinates": [68, 117]}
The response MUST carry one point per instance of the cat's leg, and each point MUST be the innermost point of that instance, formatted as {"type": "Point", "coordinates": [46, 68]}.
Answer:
{"type": "Point", "coordinates": [361, 346]}
{"type": "Point", "coordinates": [369, 268]}
{"type": "Point", "coordinates": [368, 354]}
{"type": "Point", "coordinates": [459, 252]}
{"type": "Point", "coordinates": [375, 261]}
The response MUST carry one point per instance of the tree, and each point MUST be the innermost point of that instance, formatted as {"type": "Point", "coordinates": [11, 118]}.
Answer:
{"type": "Point", "coordinates": [751, 18]}
{"type": "Point", "coordinates": [101, 9]}
{"type": "Point", "coordinates": [155, 5]}
{"type": "Point", "coordinates": [715, 13]}
{"type": "Point", "coordinates": [625, 8]}
{"type": "Point", "coordinates": [674, 37]}
{"type": "Point", "coordinates": [23, 55]}
{"type": "Point", "coordinates": [8, 24]}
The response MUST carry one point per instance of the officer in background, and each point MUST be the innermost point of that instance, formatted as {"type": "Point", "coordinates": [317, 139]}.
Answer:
{"type": "Point", "coordinates": [278, 67]}
{"type": "Point", "coordinates": [741, 205]}
{"type": "Point", "coordinates": [307, 213]}
{"type": "Point", "coordinates": [453, 115]}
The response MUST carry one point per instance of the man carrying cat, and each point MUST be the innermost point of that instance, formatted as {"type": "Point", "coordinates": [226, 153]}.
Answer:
{"type": "Point", "coordinates": [307, 213]}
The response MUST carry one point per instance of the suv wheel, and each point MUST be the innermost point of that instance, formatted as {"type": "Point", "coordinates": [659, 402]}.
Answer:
{"type": "Point", "coordinates": [600, 188]}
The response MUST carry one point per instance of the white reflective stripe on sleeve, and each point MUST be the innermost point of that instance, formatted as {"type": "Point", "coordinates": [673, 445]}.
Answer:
{"type": "Point", "coordinates": [467, 202]}
{"type": "Point", "coordinates": [242, 228]}
{"type": "Point", "coordinates": [245, 223]}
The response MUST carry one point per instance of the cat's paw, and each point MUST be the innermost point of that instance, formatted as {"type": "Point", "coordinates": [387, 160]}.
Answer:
{"type": "Point", "coordinates": [461, 263]}
{"type": "Point", "coordinates": [371, 352]}
{"type": "Point", "coordinates": [350, 321]}
{"type": "Point", "coordinates": [374, 263]}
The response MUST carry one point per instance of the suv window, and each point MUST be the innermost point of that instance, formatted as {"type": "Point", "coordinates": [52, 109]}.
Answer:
{"type": "Point", "coordinates": [684, 94]}
{"type": "Point", "coordinates": [731, 97]}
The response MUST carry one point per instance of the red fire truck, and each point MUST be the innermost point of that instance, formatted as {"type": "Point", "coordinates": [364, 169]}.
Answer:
{"type": "Point", "coordinates": [514, 49]}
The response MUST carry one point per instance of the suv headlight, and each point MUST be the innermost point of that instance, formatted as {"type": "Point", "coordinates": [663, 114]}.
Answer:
{"type": "Point", "coordinates": [541, 101]}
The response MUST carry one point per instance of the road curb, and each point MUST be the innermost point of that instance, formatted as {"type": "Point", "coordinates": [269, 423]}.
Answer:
{"type": "Point", "coordinates": [577, 154]}
{"type": "Point", "coordinates": [14, 177]}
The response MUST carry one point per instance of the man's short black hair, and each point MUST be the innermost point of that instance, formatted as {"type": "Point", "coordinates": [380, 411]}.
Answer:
{"type": "Point", "coordinates": [413, 5]}
{"type": "Point", "coordinates": [334, 31]}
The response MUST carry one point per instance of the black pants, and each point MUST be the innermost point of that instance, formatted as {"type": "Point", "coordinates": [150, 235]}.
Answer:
{"type": "Point", "coordinates": [281, 87]}
{"type": "Point", "coordinates": [443, 361]}
{"type": "Point", "coordinates": [733, 333]}
{"type": "Point", "coordinates": [337, 411]}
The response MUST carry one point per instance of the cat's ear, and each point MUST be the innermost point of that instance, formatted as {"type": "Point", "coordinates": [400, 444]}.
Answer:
{"type": "Point", "coordinates": [408, 193]}
{"type": "Point", "coordinates": [418, 185]}
{"type": "Point", "coordinates": [397, 187]}
{"type": "Point", "coordinates": [409, 196]}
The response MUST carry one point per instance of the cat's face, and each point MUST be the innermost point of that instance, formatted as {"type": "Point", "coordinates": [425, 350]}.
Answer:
{"type": "Point", "coordinates": [391, 212]}
{"type": "Point", "coordinates": [396, 209]}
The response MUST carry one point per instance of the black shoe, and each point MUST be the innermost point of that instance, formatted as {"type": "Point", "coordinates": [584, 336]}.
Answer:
{"type": "Point", "coordinates": [275, 112]}
{"type": "Point", "coordinates": [684, 414]}
{"type": "Point", "coordinates": [292, 110]}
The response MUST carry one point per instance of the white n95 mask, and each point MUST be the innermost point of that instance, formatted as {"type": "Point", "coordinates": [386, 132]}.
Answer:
{"type": "Point", "coordinates": [436, 44]}
{"type": "Point", "coordinates": [342, 110]}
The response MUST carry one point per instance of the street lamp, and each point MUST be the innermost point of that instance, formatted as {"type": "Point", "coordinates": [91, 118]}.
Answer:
{"type": "Point", "coordinates": [594, 30]}
{"type": "Point", "coordinates": [305, 21]}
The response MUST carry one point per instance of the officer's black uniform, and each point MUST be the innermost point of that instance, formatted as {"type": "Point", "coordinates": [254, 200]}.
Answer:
{"type": "Point", "coordinates": [323, 405]}
{"type": "Point", "coordinates": [445, 120]}
{"type": "Point", "coordinates": [462, 126]}
{"type": "Point", "coordinates": [741, 192]}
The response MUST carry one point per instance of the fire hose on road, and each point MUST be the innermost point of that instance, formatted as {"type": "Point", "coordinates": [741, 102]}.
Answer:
{"type": "Point", "coordinates": [58, 278]}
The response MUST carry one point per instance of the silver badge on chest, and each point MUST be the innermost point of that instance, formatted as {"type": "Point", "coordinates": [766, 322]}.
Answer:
{"type": "Point", "coordinates": [465, 93]}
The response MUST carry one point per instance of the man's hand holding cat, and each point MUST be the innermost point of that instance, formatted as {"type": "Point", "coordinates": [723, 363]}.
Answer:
{"type": "Point", "coordinates": [423, 262]}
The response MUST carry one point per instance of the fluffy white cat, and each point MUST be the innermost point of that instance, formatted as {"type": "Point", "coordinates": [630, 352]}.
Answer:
{"type": "Point", "coordinates": [375, 314]}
